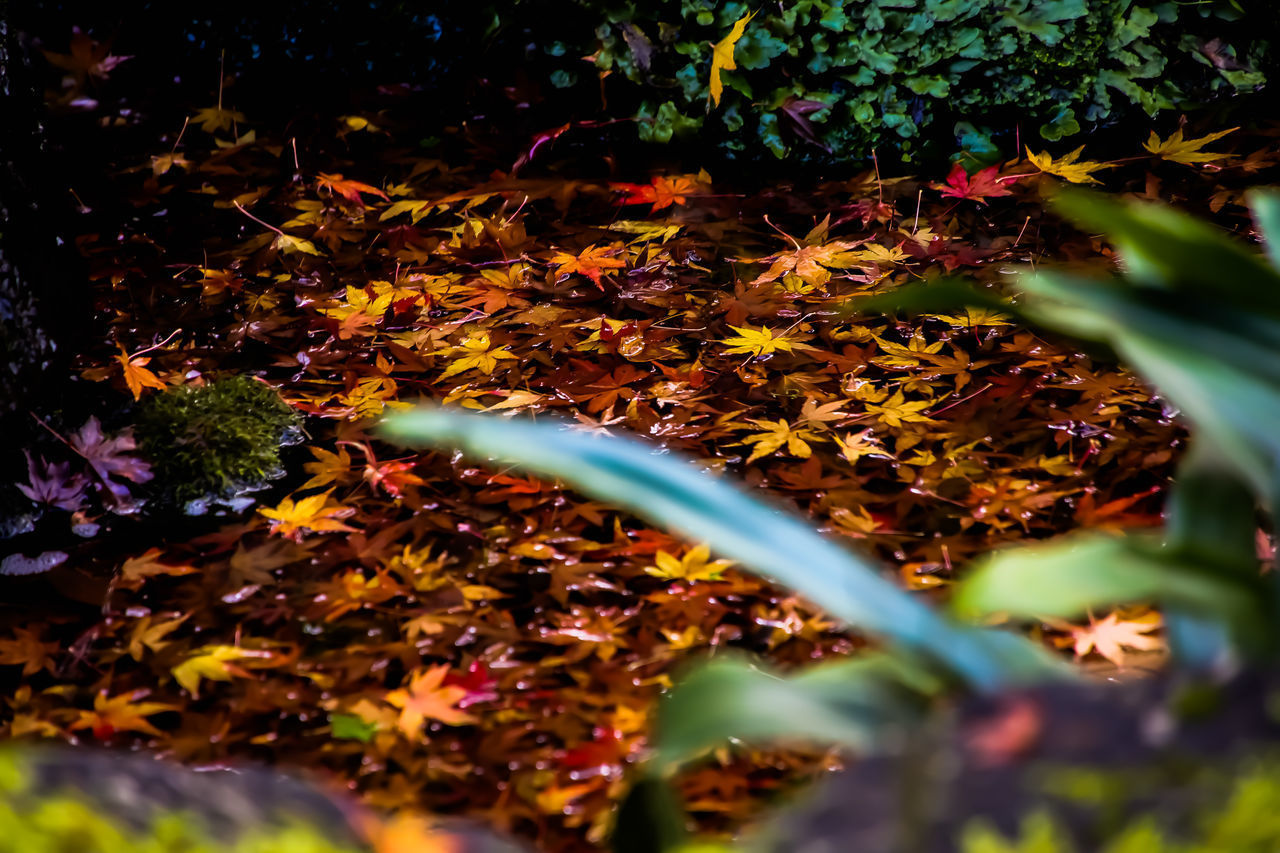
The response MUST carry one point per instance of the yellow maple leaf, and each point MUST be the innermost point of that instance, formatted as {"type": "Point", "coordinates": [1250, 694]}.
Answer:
{"type": "Point", "coordinates": [215, 663]}
{"type": "Point", "coordinates": [757, 342]}
{"type": "Point", "coordinates": [213, 119]}
{"type": "Point", "coordinates": [425, 698]}
{"type": "Point", "coordinates": [1069, 167]}
{"type": "Point", "coordinates": [1186, 151]}
{"type": "Point", "coordinates": [329, 467]}
{"type": "Point", "coordinates": [289, 245]}
{"type": "Point", "coordinates": [722, 56]}
{"type": "Point", "coordinates": [898, 410]}
{"type": "Point", "coordinates": [695, 565]}
{"type": "Point", "coordinates": [315, 513]}
{"type": "Point", "coordinates": [123, 713]}
{"type": "Point", "coordinates": [775, 434]}
{"type": "Point", "coordinates": [477, 353]}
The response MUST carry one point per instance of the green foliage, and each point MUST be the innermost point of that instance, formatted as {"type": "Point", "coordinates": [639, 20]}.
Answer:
{"type": "Point", "coordinates": [64, 823]}
{"type": "Point", "coordinates": [835, 79]}
{"type": "Point", "coordinates": [217, 441]}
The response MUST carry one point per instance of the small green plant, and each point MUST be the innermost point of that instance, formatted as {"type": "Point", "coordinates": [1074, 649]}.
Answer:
{"type": "Point", "coordinates": [213, 443]}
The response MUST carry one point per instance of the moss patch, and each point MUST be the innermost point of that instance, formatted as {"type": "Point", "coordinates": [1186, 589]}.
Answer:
{"type": "Point", "coordinates": [213, 443]}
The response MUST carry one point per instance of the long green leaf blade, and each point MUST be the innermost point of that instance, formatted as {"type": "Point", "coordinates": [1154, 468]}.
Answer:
{"type": "Point", "coordinates": [669, 491]}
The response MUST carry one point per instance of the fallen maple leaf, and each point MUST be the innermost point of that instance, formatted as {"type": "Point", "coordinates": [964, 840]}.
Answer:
{"type": "Point", "coordinates": [813, 264]}
{"type": "Point", "coordinates": [109, 457]}
{"type": "Point", "coordinates": [136, 374]}
{"type": "Point", "coordinates": [86, 58]}
{"type": "Point", "coordinates": [213, 119]}
{"type": "Point", "coordinates": [757, 342]}
{"type": "Point", "coordinates": [662, 192]}
{"type": "Point", "coordinates": [591, 262]}
{"type": "Point", "coordinates": [979, 186]}
{"type": "Point", "coordinates": [1186, 151]}
{"type": "Point", "coordinates": [315, 513]}
{"type": "Point", "coordinates": [348, 189]}
{"type": "Point", "coordinates": [215, 663]}
{"type": "Point", "coordinates": [426, 698]}
{"type": "Point", "coordinates": [53, 483]}
{"type": "Point", "coordinates": [1069, 167]}
{"type": "Point", "coordinates": [695, 565]}
{"type": "Point", "coordinates": [123, 713]}
{"type": "Point", "coordinates": [410, 833]}
{"type": "Point", "coordinates": [1112, 635]}
{"type": "Point", "coordinates": [136, 570]}
{"type": "Point", "coordinates": [27, 649]}
{"type": "Point", "coordinates": [722, 56]}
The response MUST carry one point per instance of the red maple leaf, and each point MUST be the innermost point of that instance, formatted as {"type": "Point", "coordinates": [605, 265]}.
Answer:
{"type": "Point", "coordinates": [979, 186]}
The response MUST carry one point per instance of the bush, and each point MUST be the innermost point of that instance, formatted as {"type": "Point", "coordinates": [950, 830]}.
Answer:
{"type": "Point", "coordinates": [835, 79]}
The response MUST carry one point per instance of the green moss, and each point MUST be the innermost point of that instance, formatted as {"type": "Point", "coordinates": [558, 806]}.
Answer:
{"type": "Point", "coordinates": [215, 442]}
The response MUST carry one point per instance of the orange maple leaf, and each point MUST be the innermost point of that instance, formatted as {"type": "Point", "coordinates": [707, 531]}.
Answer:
{"type": "Point", "coordinates": [350, 190]}
{"type": "Point", "coordinates": [591, 262]}
{"type": "Point", "coordinates": [136, 374]}
{"type": "Point", "coordinates": [136, 570]}
{"type": "Point", "coordinates": [661, 192]}
{"type": "Point", "coordinates": [123, 713]}
{"type": "Point", "coordinates": [425, 699]}
{"type": "Point", "coordinates": [314, 513]}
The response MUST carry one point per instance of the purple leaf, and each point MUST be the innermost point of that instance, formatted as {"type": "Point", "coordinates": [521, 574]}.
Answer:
{"type": "Point", "coordinates": [53, 483]}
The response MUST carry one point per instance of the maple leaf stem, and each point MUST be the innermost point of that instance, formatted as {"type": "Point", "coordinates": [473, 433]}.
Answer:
{"type": "Point", "coordinates": [793, 240]}
{"type": "Point", "coordinates": [56, 434]}
{"type": "Point", "coordinates": [156, 346]}
{"type": "Point", "coordinates": [981, 390]}
{"type": "Point", "coordinates": [256, 219]}
{"type": "Point", "coordinates": [1025, 223]}
{"type": "Point", "coordinates": [186, 121]}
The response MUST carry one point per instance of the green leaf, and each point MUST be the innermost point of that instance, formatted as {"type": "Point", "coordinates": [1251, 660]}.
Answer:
{"type": "Point", "coordinates": [1265, 204]}
{"type": "Point", "coordinates": [666, 490]}
{"type": "Point", "coordinates": [1066, 577]}
{"type": "Point", "coordinates": [351, 727]}
{"type": "Point", "coordinates": [1167, 249]}
{"type": "Point", "coordinates": [650, 819]}
{"type": "Point", "coordinates": [861, 703]}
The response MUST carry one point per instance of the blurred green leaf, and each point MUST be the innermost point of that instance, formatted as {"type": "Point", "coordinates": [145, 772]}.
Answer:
{"type": "Point", "coordinates": [861, 703]}
{"type": "Point", "coordinates": [1066, 577]}
{"type": "Point", "coordinates": [650, 819]}
{"type": "Point", "coordinates": [666, 490]}
{"type": "Point", "coordinates": [1165, 248]}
